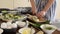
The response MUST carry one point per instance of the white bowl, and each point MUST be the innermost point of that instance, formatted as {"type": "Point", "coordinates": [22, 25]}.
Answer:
{"type": "Point", "coordinates": [21, 24]}
{"type": "Point", "coordinates": [26, 30]}
{"type": "Point", "coordinates": [43, 27]}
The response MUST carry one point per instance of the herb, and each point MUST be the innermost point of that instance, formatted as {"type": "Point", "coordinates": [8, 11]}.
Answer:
{"type": "Point", "coordinates": [49, 28]}
{"type": "Point", "coordinates": [38, 25]}
{"type": "Point", "coordinates": [35, 24]}
{"type": "Point", "coordinates": [4, 11]}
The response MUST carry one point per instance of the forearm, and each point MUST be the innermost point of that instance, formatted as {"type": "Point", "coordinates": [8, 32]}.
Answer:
{"type": "Point", "coordinates": [48, 5]}
{"type": "Point", "coordinates": [33, 6]}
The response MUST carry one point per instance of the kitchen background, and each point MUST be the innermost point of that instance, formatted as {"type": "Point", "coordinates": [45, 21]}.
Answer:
{"type": "Point", "coordinates": [11, 4]}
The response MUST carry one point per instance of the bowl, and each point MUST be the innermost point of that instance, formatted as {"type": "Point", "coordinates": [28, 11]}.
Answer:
{"type": "Point", "coordinates": [26, 30]}
{"type": "Point", "coordinates": [21, 24]}
{"type": "Point", "coordinates": [10, 31]}
{"type": "Point", "coordinates": [49, 29]}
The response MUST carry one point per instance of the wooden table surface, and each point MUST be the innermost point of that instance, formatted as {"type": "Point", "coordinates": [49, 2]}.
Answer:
{"type": "Point", "coordinates": [56, 32]}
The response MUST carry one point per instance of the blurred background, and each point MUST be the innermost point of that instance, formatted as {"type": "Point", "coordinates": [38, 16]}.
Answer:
{"type": "Point", "coordinates": [11, 4]}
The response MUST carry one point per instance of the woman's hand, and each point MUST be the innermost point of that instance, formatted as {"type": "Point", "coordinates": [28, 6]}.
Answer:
{"type": "Point", "coordinates": [41, 14]}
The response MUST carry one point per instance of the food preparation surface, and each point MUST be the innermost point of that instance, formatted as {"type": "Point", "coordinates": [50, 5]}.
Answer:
{"type": "Point", "coordinates": [56, 32]}
{"type": "Point", "coordinates": [35, 23]}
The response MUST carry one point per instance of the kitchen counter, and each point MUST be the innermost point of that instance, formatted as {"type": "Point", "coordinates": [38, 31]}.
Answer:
{"type": "Point", "coordinates": [56, 32]}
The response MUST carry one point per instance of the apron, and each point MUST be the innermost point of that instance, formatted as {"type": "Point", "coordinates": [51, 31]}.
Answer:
{"type": "Point", "coordinates": [40, 4]}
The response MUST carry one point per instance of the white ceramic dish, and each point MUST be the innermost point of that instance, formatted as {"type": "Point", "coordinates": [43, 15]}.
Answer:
{"type": "Point", "coordinates": [44, 26]}
{"type": "Point", "coordinates": [26, 31]}
{"type": "Point", "coordinates": [21, 24]}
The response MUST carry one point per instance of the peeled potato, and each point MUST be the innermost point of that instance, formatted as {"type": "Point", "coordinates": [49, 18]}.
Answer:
{"type": "Point", "coordinates": [1, 31]}
{"type": "Point", "coordinates": [14, 25]}
{"type": "Point", "coordinates": [40, 32]}
{"type": "Point", "coordinates": [3, 25]}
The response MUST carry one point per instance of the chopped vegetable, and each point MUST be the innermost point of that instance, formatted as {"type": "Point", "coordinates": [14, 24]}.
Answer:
{"type": "Point", "coordinates": [48, 28]}
{"type": "Point", "coordinates": [4, 11]}
{"type": "Point", "coordinates": [38, 25]}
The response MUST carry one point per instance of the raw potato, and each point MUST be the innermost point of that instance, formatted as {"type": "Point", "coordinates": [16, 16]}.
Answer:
{"type": "Point", "coordinates": [1, 31]}
{"type": "Point", "coordinates": [9, 26]}
{"type": "Point", "coordinates": [14, 25]}
{"type": "Point", "coordinates": [40, 32]}
{"type": "Point", "coordinates": [34, 18]}
{"type": "Point", "coordinates": [3, 25]}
